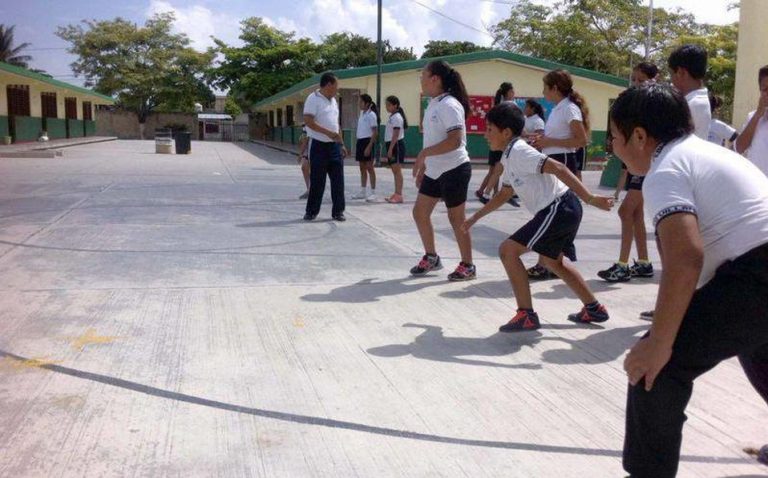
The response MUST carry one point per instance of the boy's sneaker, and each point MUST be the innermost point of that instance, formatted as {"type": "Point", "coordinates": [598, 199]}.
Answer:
{"type": "Point", "coordinates": [514, 201]}
{"type": "Point", "coordinates": [641, 270]}
{"type": "Point", "coordinates": [427, 264]}
{"type": "Point", "coordinates": [484, 199]}
{"type": "Point", "coordinates": [360, 194]}
{"type": "Point", "coordinates": [463, 272]}
{"type": "Point", "coordinates": [589, 316]}
{"type": "Point", "coordinates": [539, 272]}
{"type": "Point", "coordinates": [616, 273]}
{"type": "Point", "coordinates": [521, 322]}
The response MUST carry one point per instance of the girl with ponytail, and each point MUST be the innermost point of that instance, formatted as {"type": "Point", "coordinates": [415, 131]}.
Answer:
{"type": "Point", "coordinates": [442, 168]}
{"type": "Point", "coordinates": [367, 136]}
{"type": "Point", "coordinates": [394, 145]}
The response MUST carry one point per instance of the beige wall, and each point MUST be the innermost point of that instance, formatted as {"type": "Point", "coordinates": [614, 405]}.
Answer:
{"type": "Point", "coordinates": [752, 54]}
{"type": "Point", "coordinates": [125, 124]}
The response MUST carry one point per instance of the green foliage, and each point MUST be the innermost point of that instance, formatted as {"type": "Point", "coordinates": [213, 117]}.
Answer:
{"type": "Point", "coordinates": [148, 68]}
{"type": "Point", "coordinates": [231, 107]}
{"type": "Point", "coordinates": [435, 48]}
{"type": "Point", "coordinates": [10, 53]}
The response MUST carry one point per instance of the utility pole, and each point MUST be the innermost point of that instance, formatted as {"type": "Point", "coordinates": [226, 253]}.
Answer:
{"type": "Point", "coordinates": [650, 30]}
{"type": "Point", "coordinates": [379, 60]}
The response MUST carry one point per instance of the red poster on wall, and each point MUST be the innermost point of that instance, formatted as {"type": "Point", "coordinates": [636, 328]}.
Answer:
{"type": "Point", "coordinates": [479, 106]}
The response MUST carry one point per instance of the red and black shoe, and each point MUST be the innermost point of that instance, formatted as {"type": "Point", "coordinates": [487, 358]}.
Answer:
{"type": "Point", "coordinates": [589, 315]}
{"type": "Point", "coordinates": [521, 322]}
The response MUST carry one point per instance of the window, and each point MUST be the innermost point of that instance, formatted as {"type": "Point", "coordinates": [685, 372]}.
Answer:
{"type": "Point", "coordinates": [87, 111]}
{"type": "Point", "coordinates": [48, 104]}
{"type": "Point", "coordinates": [280, 117]}
{"type": "Point", "coordinates": [18, 100]}
{"type": "Point", "coordinates": [70, 108]}
{"type": "Point", "coordinates": [289, 115]}
{"type": "Point", "coordinates": [271, 118]}
{"type": "Point", "coordinates": [212, 128]}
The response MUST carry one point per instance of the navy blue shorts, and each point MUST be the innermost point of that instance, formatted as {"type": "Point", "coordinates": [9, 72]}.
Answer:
{"type": "Point", "coordinates": [634, 182]}
{"type": "Point", "coordinates": [398, 152]}
{"type": "Point", "coordinates": [451, 186]}
{"type": "Point", "coordinates": [360, 146]}
{"type": "Point", "coordinates": [552, 230]}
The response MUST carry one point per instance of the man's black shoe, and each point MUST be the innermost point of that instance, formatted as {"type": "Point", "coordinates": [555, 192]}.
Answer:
{"type": "Point", "coordinates": [309, 217]}
{"type": "Point", "coordinates": [339, 217]}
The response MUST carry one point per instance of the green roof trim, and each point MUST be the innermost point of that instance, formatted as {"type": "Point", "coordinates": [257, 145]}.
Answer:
{"type": "Point", "coordinates": [17, 70]}
{"type": "Point", "coordinates": [455, 60]}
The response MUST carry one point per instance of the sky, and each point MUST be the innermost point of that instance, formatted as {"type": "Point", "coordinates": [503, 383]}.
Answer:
{"type": "Point", "coordinates": [407, 23]}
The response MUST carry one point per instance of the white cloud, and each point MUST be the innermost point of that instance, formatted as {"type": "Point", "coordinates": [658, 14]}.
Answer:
{"type": "Point", "coordinates": [199, 23]}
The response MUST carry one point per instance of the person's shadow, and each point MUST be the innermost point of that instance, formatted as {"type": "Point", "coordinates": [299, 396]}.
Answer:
{"type": "Point", "coordinates": [601, 347]}
{"type": "Point", "coordinates": [371, 290]}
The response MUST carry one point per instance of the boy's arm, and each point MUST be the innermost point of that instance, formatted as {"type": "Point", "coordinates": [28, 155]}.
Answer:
{"type": "Point", "coordinates": [496, 202]}
{"type": "Point", "coordinates": [680, 239]}
{"type": "Point", "coordinates": [561, 172]}
{"type": "Point", "coordinates": [622, 182]}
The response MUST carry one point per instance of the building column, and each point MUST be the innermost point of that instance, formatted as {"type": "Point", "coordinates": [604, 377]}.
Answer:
{"type": "Point", "coordinates": [751, 55]}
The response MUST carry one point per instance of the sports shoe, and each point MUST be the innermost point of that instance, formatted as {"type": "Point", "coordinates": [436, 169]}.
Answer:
{"type": "Point", "coordinates": [463, 271]}
{"type": "Point", "coordinates": [484, 199]}
{"type": "Point", "coordinates": [641, 270]}
{"type": "Point", "coordinates": [646, 315]}
{"type": "Point", "coordinates": [304, 195]}
{"type": "Point", "coordinates": [361, 194]}
{"type": "Point", "coordinates": [586, 316]}
{"type": "Point", "coordinates": [371, 198]}
{"type": "Point", "coordinates": [539, 272]}
{"type": "Point", "coordinates": [479, 194]}
{"type": "Point", "coordinates": [339, 217]}
{"type": "Point", "coordinates": [427, 264]}
{"type": "Point", "coordinates": [616, 273]}
{"type": "Point", "coordinates": [309, 217]}
{"type": "Point", "coordinates": [521, 322]}
{"type": "Point", "coordinates": [514, 201]}
{"type": "Point", "coordinates": [395, 199]}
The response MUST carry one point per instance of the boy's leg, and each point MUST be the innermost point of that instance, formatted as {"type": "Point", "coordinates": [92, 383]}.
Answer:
{"type": "Point", "coordinates": [572, 278]}
{"type": "Point", "coordinates": [510, 252]}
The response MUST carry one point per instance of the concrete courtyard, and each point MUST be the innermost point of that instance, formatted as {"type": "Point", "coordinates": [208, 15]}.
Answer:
{"type": "Point", "coordinates": [166, 316]}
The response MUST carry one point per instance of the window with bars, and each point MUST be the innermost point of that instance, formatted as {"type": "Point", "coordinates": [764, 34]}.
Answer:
{"type": "Point", "coordinates": [70, 108]}
{"type": "Point", "coordinates": [48, 105]}
{"type": "Point", "coordinates": [87, 111]}
{"type": "Point", "coordinates": [18, 100]}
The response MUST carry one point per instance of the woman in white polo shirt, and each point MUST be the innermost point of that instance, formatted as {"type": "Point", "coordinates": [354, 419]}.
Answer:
{"type": "Point", "coordinates": [442, 168]}
{"type": "Point", "coordinates": [564, 133]}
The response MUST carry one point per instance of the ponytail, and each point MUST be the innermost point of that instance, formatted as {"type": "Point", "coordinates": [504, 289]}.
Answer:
{"type": "Point", "coordinates": [536, 107]}
{"type": "Point", "coordinates": [501, 93]}
{"type": "Point", "coordinates": [452, 82]}
{"type": "Point", "coordinates": [395, 101]}
{"type": "Point", "coordinates": [579, 101]}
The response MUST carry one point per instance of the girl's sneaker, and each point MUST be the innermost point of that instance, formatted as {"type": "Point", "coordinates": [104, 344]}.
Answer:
{"type": "Point", "coordinates": [463, 272]}
{"type": "Point", "coordinates": [521, 322]}
{"type": "Point", "coordinates": [616, 273]}
{"type": "Point", "coordinates": [427, 264]}
{"type": "Point", "coordinates": [539, 272]}
{"type": "Point", "coordinates": [641, 269]}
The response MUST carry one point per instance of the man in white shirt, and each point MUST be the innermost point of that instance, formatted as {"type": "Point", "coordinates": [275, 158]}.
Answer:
{"type": "Point", "coordinates": [688, 66]}
{"type": "Point", "coordinates": [754, 135]}
{"type": "Point", "coordinates": [710, 210]}
{"type": "Point", "coordinates": [326, 148]}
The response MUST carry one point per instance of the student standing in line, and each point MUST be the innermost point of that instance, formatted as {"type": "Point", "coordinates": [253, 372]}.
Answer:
{"type": "Point", "coordinates": [326, 148]}
{"type": "Point", "coordinates": [551, 192]}
{"type": "Point", "coordinates": [304, 159]}
{"type": "Point", "coordinates": [754, 135]}
{"type": "Point", "coordinates": [631, 211]}
{"type": "Point", "coordinates": [720, 132]}
{"type": "Point", "coordinates": [688, 67]}
{"type": "Point", "coordinates": [490, 185]}
{"type": "Point", "coordinates": [442, 169]}
{"type": "Point", "coordinates": [534, 118]}
{"type": "Point", "coordinates": [564, 132]}
{"type": "Point", "coordinates": [710, 211]}
{"type": "Point", "coordinates": [365, 150]}
{"type": "Point", "coordinates": [394, 144]}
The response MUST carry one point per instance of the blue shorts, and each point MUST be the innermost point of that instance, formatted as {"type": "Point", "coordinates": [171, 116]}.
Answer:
{"type": "Point", "coordinates": [552, 230]}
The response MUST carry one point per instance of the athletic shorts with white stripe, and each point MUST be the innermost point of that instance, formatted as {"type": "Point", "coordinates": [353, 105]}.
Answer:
{"type": "Point", "coordinates": [552, 230]}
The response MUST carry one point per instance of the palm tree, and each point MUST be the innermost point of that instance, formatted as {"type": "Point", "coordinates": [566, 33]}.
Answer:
{"type": "Point", "coordinates": [8, 53]}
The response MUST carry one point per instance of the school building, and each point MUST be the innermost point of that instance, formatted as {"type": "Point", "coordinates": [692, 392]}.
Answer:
{"type": "Point", "coordinates": [482, 72]}
{"type": "Point", "coordinates": [31, 103]}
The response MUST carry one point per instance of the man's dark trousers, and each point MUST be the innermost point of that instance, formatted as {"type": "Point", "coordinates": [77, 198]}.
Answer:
{"type": "Point", "coordinates": [325, 159]}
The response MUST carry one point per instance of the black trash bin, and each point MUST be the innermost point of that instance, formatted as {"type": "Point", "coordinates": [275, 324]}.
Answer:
{"type": "Point", "coordinates": [183, 142]}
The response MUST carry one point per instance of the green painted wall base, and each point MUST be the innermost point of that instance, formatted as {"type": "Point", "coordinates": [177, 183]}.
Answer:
{"type": "Point", "coordinates": [90, 127]}
{"type": "Point", "coordinates": [75, 128]}
{"type": "Point", "coordinates": [25, 128]}
{"type": "Point", "coordinates": [56, 127]}
{"type": "Point", "coordinates": [4, 131]}
{"type": "Point", "coordinates": [611, 172]}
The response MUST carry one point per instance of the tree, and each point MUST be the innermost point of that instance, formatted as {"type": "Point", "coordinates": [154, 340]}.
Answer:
{"type": "Point", "coordinates": [349, 50]}
{"type": "Point", "coordinates": [9, 53]}
{"type": "Point", "coordinates": [145, 67]}
{"type": "Point", "coordinates": [231, 107]}
{"type": "Point", "coordinates": [435, 48]}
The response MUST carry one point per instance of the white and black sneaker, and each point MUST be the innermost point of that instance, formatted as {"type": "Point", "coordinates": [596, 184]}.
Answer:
{"type": "Point", "coordinates": [616, 273]}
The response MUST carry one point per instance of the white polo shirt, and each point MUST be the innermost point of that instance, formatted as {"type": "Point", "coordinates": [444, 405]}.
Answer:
{"type": "Point", "coordinates": [522, 170]}
{"type": "Point", "coordinates": [533, 123]}
{"type": "Point", "coordinates": [558, 125]}
{"type": "Point", "coordinates": [720, 132]}
{"type": "Point", "coordinates": [758, 149]}
{"type": "Point", "coordinates": [698, 103]}
{"type": "Point", "coordinates": [366, 123]}
{"type": "Point", "coordinates": [725, 191]}
{"type": "Point", "coordinates": [325, 112]}
{"type": "Point", "coordinates": [395, 121]}
{"type": "Point", "coordinates": [443, 115]}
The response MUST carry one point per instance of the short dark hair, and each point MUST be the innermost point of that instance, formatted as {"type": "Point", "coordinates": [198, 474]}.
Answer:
{"type": "Point", "coordinates": [659, 109]}
{"type": "Point", "coordinates": [327, 78]}
{"type": "Point", "coordinates": [649, 69]}
{"type": "Point", "coordinates": [691, 57]}
{"type": "Point", "coordinates": [762, 73]}
{"type": "Point", "coordinates": [507, 115]}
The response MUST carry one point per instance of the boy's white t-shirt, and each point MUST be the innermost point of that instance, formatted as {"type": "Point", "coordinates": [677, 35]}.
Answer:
{"type": "Point", "coordinates": [522, 170]}
{"type": "Point", "coordinates": [758, 150]}
{"type": "Point", "coordinates": [366, 123]}
{"type": "Point", "coordinates": [720, 132]}
{"type": "Point", "coordinates": [395, 121]}
{"type": "Point", "coordinates": [723, 189]}
{"type": "Point", "coordinates": [698, 103]}
{"type": "Point", "coordinates": [443, 115]}
{"type": "Point", "coordinates": [558, 124]}
{"type": "Point", "coordinates": [533, 123]}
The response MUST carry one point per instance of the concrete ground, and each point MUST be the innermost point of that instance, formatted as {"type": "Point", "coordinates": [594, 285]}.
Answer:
{"type": "Point", "coordinates": [174, 316]}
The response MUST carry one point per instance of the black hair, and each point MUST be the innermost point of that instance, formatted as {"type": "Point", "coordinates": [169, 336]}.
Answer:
{"type": "Point", "coordinates": [762, 73]}
{"type": "Point", "coordinates": [659, 109]}
{"type": "Point", "coordinates": [648, 69]}
{"type": "Point", "coordinates": [691, 57]}
{"type": "Point", "coordinates": [395, 101]}
{"type": "Point", "coordinates": [507, 115]}
{"type": "Point", "coordinates": [501, 93]}
{"type": "Point", "coordinates": [369, 101]}
{"type": "Point", "coordinates": [536, 107]}
{"type": "Point", "coordinates": [563, 82]}
{"type": "Point", "coordinates": [452, 82]}
{"type": "Point", "coordinates": [327, 78]}
{"type": "Point", "coordinates": [715, 102]}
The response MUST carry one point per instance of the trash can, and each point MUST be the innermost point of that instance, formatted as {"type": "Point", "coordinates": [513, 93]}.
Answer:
{"type": "Point", "coordinates": [163, 141]}
{"type": "Point", "coordinates": [183, 142]}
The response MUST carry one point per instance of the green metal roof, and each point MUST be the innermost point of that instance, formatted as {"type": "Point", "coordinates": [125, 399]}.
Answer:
{"type": "Point", "coordinates": [454, 60]}
{"type": "Point", "coordinates": [17, 70]}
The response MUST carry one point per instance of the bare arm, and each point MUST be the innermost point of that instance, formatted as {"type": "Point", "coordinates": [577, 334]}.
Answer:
{"type": "Point", "coordinates": [309, 121]}
{"type": "Point", "coordinates": [496, 202]}
{"type": "Point", "coordinates": [622, 182]}
{"type": "Point", "coordinates": [578, 138]}
{"type": "Point", "coordinates": [561, 172]}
